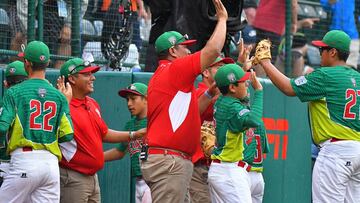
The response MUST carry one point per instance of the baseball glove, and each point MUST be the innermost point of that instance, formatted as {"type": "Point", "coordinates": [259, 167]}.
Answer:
{"type": "Point", "coordinates": [263, 51]}
{"type": "Point", "coordinates": [207, 138]}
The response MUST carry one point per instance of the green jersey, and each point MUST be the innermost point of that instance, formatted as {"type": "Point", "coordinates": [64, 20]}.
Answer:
{"type": "Point", "coordinates": [3, 145]}
{"type": "Point", "coordinates": [134, 146]}
{"type": "Point", "coordinates": [332, 93]}
{"type": "Point", "coordinates": [256, 144]}
{"type": "Point", "coordinates": [37, 116]}
{"type": "Point", "coordinates": [232, 118]}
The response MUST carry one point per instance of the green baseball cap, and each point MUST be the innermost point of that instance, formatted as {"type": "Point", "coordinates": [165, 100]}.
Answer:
{"type": "Point", "coordinates": [77, 65]}
{"type": "Point", "coordinates": [336, 39]}
{"type": "Point", "coordinates": [135, 88]}
{"type": "Point", "coordinates": [225, 60]}
{"type": "Point", "coordinates": [15, 68]}
{"type": "Point", "coordinates": [36, 51]}
{"type": "Point", "coordinates": [171, 38]}
{"type": "Point", "coordinates": [229, 74]}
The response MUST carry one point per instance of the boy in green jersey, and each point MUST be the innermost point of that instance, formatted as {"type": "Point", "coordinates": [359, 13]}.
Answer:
{"type": "Point", "coordinates": [14, 73]}
{"type": "Point", "coordinates": [135, 94]}
{"type": "Point", "coordinates": [332, 92]}
{"type": "Point", "coordinates": [228, 174]}
{"type": "Point", "coordinates": [255, 146]}
{"type": "Point", "coordinates": [38, 120]}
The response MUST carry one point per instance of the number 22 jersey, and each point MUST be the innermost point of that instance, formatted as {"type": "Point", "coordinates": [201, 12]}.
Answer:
{"type": "Point", "coordinates": [37, 116]}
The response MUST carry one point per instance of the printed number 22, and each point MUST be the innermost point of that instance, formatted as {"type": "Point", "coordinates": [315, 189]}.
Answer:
{"type": "Point", "coordinates": [45, 124]}
{"type": "Point", "coordinates": [352, 95]}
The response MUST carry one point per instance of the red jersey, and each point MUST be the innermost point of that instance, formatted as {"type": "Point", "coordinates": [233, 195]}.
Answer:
{"type": "Point", "coordinates": [270, 16]}
{"type": "Point", "coordinates": [89, 129]}
{"type": "Point", "coordinates": [207, 115]}
{"type": "Point", "coordinates": [173, 112]}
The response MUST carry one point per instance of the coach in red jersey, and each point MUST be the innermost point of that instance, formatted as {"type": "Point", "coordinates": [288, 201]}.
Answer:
{"type": "Point", "coordinates": [84, 157]}
{"type": "Point", "coordinates": [173, 111]}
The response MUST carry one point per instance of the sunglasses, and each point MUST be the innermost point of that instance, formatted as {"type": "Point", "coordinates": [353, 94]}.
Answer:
{"type": "Point", "coordinates": [85, 63]}
{"type": "Point", "coordinates": [321, 49]}
{"type": "Point", "coordinates": [185, 37]}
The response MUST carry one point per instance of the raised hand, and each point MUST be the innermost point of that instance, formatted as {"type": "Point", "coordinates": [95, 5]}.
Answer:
{"type": "Point", "coordinates": [64, 88]}
{"type": "Point", "coordinates": [255, 83]}
{"type": "Point", "coordinates": [221, 12]}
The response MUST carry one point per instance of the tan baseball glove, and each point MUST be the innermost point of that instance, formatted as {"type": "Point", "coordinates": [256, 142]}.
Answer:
{"type": "Point", "coordinates": [263, 51]}
{"type": "Point", "coordinates": [207, 138]}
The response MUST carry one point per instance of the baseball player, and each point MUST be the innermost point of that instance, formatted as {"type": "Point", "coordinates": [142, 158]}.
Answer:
{"type": "Point", "coordinates": [135, 94]}
{"type": "Point", "coordinates": [256, 144]}
{"type": "Point", "coordinates": [38, 118]}
{"type": "Point", "coordinates": [332, 92]}
{"type": "Point", "coordinates": [14, 73]}
{"type": "Point", "coordinates": [228, 174]}
{"type": "Point", "coordinates": [199, 190]}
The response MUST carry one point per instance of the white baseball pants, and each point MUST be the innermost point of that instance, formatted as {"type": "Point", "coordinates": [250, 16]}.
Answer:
{"type": "Point", "coordinates": [336, 174]}
{"type": "Point", "coordinates": [33, 177]}
{"type": "Point", "coordinates": [229, 183]}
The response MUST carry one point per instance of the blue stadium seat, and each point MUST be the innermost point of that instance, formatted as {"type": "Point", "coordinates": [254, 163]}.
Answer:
{"type": "Point", "coordinates": [320, 12]}
{"type": "Point", "coordinates": [309, 11]}
{"type": "Point", "coordinates": [300, 10]}
{"type": "Point", "coordinates": [4, 19]}
{"type": "Point", "coordinates": [87, 28]}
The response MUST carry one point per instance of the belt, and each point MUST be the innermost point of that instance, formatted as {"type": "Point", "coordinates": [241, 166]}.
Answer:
{"type": "Point", "coordinates": [241, 164]}
{"type": "Point", "coordinates": [203, 162]}
{"type": "Point", "coordinates": [336, 140]}
{"type": "Point", "coordinates": [169, 151]}
{"type": "Point", "coordinates": [27, 149]}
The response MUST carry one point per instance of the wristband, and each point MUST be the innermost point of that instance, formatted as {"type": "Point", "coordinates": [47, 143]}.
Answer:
{"type": "Point", "coordinates": [207, 94]}
{"type": "Point", "coordinates": [131, 135]}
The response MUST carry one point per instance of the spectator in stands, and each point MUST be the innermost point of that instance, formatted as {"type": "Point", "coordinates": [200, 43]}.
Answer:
{"type": "Point", "coordinates": [250, 10]}
{"type": "Point", "coordinates": [19, 22]}
{"type": "Point", "coordinates": [298, 51]}
{"type": "Point", "coordinates": [139, 13]}
{"type": "Point", "coordinates": [270, 22]}
{"type": "Point", "coordinates": [342, 12]}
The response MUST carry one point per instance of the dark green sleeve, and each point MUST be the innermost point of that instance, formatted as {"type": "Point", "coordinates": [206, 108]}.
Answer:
{"type": "Point", "coordinates": [7, 112]}
{"type": "Point", "coordinates": [261, 130]}
{"type": "Point", "coordinates": [310, 87]}
{"type": "Point", "coordinates": [253, 119]}
{"type": "Point", "coordinates": [243, 118]}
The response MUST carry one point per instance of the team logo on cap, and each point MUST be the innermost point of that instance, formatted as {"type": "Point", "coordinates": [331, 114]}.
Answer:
{"type": "Point", "coordinates": [132, 87]}
{"type": "Point", "coordinates": [12, 70]}
{"type": "Point", "coordinates": [231, 77]}
{"type": "Point", "coordinates": [42, 58]}
{"type": "Point", "coordinates": [172, 40]}
{"type": "Point", "coordinates": [42, 92]}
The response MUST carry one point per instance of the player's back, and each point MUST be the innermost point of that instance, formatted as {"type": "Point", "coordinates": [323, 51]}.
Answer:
{"type": "Point", "coordinates": [334, 111]}
{"type": "Point", "coordinates": [34, 110]}
{"type": "Point", "coordinates": [342, 91]}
